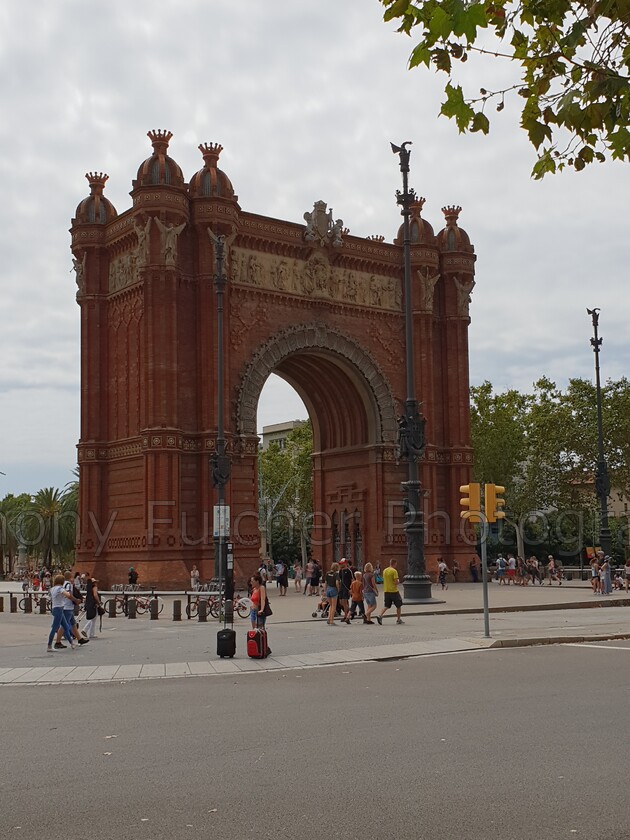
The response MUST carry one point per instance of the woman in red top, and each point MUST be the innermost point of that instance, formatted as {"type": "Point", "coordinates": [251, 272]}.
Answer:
{"type": "Point", "coordinates": [258, 599]}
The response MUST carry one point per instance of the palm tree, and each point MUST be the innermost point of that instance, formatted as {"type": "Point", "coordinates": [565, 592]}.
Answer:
{"type": "Point", "coordinates": [50, 524]}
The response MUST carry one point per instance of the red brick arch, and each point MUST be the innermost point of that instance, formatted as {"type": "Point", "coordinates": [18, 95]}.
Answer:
{"type": "Point", "coordinates": [308, 301]}
{"type": "Point", "coordinates": [338, 380]}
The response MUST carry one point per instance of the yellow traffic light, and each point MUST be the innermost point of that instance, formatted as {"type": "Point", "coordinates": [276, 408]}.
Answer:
{"type": "Point", "coordinates": [472, 501]}
{"type": "Point", "coordinates": [494, 503]}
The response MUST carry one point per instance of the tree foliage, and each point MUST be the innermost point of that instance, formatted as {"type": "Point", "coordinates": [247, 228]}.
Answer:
{"type": "Point", "coordinates": [573, 60]}
{"type": "Point", "coordinates": [286, 486]}
{"type": "Point", "coordinates": [543, 448]}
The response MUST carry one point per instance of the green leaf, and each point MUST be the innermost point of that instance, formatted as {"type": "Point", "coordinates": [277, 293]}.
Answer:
{"type": "Point", "coordinates": [440, 24]}
{"type": "Point", "coordinates": [480, 123]}
{"type": "Point", "coordinates": [421, 55]}
{"type": "Point", "coordinates": [397, 9]}
{"type": "Point", "coordinates": [457, 108]}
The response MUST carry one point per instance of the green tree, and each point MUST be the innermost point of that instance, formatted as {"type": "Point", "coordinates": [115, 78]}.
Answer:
{"type": "Point", "coordinates": [11, 508]}
{"type": "Point", "coordinates": [48, 525]}
{"type": "Point", "coordinates": [572, 61]}
{"type": "Point", "coordinates": [286, 488]}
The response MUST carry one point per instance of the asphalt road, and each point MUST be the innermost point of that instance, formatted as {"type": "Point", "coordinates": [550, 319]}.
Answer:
{"type": "Point", "coordinates": [511, 744]}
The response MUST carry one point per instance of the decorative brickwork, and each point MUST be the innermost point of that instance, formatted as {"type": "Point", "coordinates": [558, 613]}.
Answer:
{"type": "Point", "coordinates": [308, 301]}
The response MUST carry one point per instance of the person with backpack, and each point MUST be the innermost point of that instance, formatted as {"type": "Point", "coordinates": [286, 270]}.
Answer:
{"type": "Point", "coordinates": [345, 582]}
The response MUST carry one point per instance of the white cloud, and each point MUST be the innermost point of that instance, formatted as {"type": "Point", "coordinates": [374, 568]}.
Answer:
{"type": "Point", "coordinates": [304, 98]}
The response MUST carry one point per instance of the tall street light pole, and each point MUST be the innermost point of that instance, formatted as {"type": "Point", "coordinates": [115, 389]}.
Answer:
{"type": "Point", "coordinates": [416, 583]}
{"type": "Point", "coordinates": [602, 482]}
{"type": "Point", "coordinates": [220, 460]}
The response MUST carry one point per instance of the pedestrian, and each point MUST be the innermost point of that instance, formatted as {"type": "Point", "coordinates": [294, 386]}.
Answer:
{"type": "Point", "coordinates": [68, 613]}
{"type": "Point", "coordinates": [595, 575]}
{"type": "Point", "coordinates": [259, 599]}
{"type": "Point", "coordinates": [356, 596]}
{"type": "Point", "coordinates": [474, 569]}
{"type": "Point", "coordinates": [77, 581]}
{"type": "Point", "coordinates": [332, 591]}
{"type": "Point", "coordinates": [317, 573]}
{"type": "Point", "coordinates": [92, 607]}
{"type": "Point", "coordinates": [442, 570]}
{"type": "Point", "coordinates": [391, 595]}
{"type": "Point", "coordinates": [58, 597]}
{"type": "Point", "coordinates": [552, 571]}
{"type": "Point", "coordinates": [501, 570]}
{"type": "Point", "coordinates": [132, 576]}
{"type": "Point", "coordinates": [194, 578]}
{"type": "Point", "coordinates": [308, 581]}
{"type": "Point", "coordinates": [511, 569]}
{"type": "Point", "coordinates": [264, 574]}
{"type": "Point", "coordinates": [627, 572]}
{"type": "Point", "coordinates": [345, 582]}
{"type": "Point", "coordinates": [297, 576]}
{"type": "Point", "coordinates": [378, 574]}
{"type": "Point", "coordinates": [282, 577]}
{"type": "Point", "coordinates": [455, 570]}
{"type": "Point", "coordinates": [370, 591]}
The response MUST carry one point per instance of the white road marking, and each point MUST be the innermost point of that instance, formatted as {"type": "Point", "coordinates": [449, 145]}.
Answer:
{"type": "Point", "coordinates": [601, 647]}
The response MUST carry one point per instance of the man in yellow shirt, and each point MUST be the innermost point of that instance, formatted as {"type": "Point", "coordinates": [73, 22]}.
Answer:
{"type": "Point", "coordinates": [391, 593]}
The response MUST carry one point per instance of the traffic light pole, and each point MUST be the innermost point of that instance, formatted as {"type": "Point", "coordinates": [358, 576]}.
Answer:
{"type": "Point", "coordinates": [484, 578]}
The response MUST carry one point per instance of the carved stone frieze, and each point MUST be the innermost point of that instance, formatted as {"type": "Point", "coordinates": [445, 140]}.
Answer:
{"type": "Point", "coordinates": [314, 278]}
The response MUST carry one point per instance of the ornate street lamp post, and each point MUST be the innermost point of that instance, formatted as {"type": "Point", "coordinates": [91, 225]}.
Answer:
{"type": "Point", "coordinates": [602, 482]}
{"type": "Point", "coordinates": [220, 460]}
{"type": "Point", "coordinates": [417, 584]}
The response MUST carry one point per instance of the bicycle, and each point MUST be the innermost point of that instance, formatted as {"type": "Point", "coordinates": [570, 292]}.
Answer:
{"type": "Point", "coordinates": [242, 606]}
{"type": "Point", "coordinates": [143, 603]}
{"type": "Point", "coordinates": [36, 599]}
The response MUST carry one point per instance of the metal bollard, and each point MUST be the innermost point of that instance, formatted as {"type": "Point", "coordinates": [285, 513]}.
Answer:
{"type": "Point", "coordinates": [43, 604]}
{"type": "Point", "coordinates": [28, 604]}
{"type": "Point", "coordinates": [202, 611]}
{"type": "Point", "coordinates": [131, 608]}
{"type": "Point", "coordinates": [1, 604]}
{"type": "Point", "coordinates": [177, 610]}
{"type": "Point", "coordinates": [111, 608]}
{"type": "Point", "coordinates": [154, 606]}
{"type": "Point", "coordinates": [12, 603]}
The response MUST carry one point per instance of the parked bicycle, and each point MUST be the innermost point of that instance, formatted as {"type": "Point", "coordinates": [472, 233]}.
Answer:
{"type": "Point", "coordinates": [36, 599]}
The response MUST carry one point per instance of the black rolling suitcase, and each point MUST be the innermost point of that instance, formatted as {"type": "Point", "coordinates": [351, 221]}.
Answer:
{"type": "Point", "coordinates": [226, 642]}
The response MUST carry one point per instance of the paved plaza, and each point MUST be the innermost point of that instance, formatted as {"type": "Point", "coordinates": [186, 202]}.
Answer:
{"type": "Point", "coordinates": [143, 649]}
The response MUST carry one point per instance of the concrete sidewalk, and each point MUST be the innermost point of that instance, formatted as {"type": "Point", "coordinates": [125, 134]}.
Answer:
{"type": "Point", "coordinates": [144, 649]}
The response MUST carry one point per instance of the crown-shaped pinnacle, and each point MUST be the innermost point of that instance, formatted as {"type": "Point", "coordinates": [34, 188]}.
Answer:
{"type": "Point", "coordinates": [210, 152]}
{"type": "Point", "coordinates": [418, 203]}
{"type": "Point", "coordinates": [160, 140]}
{"type": "Point", "coordinates": [451, 214]}
{"type": "Point", "coordinates": [96, 180]}
{"type": "Point", "coordinates": [377, 237]}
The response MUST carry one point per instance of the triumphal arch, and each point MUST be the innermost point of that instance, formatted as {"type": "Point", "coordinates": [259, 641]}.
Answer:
{"type": "Point", "coordinates": [305, 299]}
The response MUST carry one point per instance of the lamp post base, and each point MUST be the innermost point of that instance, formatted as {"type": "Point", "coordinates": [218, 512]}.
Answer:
{"type": "Point", "coordinates": [417, 590]}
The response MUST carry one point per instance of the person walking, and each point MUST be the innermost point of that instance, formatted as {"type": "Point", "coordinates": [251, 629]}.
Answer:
{"type": "Point", "coordinates": [308, 582]}
{"type": "Point", "coordinates": [297, 576]}
{"type": "Point", "coordinates": [68, 613]}
{"type": "Point", "coordinates": [356, 597]}
{"type": "Point", "coordinates": [391, 595]}
{"type": "Point", "coordinates": [194, 578]}
{"type": "Point", "coordinates": [92, 605]}
{"type": "Point", "coordinates": [455, 570]}
{"type": "Point", "coordinates": [626, 570]}
{"type": "Point", "coordinates": [59, 596]}
{"type": "Point", "coordinates": [370, 591]}
{"type": "Point", "coordinates": [345, 582]}
{"type": "Point", "coordinates": [332, 591]}
{"type": "Point", "coordinates": [317, 573]}
{"type": "Point", "coordinates": [442, 570]}
{"type": "Point", "coordinates": [474, 569]}
{"type": "Point", "coordinates": [607, 577]}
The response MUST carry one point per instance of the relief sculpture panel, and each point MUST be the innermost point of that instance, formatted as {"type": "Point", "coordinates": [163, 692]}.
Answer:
{"type": "Point", "coordinates": [315, 278]}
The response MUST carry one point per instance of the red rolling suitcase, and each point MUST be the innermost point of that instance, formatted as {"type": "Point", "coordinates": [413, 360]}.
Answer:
{"type": "Point", "coordinates": [257, 647]}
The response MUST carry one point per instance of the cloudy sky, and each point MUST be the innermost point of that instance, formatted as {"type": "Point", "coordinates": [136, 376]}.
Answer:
{"type": "Point", "coordinates": [304, 97]}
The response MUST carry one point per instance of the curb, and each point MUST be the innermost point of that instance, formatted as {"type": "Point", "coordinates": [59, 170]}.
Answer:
{"type": "Point", "coordinates": [558, 640]}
